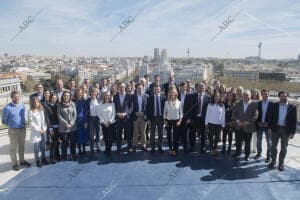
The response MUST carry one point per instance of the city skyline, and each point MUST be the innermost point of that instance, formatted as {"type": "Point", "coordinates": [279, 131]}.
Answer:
{"type": "Point", "coordinates": [76, 28]}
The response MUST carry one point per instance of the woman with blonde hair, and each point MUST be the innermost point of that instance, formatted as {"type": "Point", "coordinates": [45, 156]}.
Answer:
{"type": "Point", "coordinates": [38, 125]}
{"type": "Point", "coordinates": [172, 116]}
{"type": "Point", "coordinates": [107, 114]}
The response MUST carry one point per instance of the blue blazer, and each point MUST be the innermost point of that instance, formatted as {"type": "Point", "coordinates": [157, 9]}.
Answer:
{"type": "Point", "coordinates": [136, 105]}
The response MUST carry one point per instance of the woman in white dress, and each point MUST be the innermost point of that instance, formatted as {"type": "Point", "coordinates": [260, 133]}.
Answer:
{"type": "Point", "coordinates": [37, 122]}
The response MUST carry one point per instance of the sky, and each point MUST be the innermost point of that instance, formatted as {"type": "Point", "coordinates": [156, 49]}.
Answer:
{"type": "Point", "coordinates": [87, 27]}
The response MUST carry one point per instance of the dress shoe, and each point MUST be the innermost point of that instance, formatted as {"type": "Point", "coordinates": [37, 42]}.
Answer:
{"type": "Point", "coordinates": [257, 156]}
{"type": "Point", "coordinates": [16, 168]}
{"type": "Point", "coordinates": [45, 162]}
{"type": "Point", "coordinates": [281, 167]}
{"type": "Point", "coordinates": [186, 151]}
{"type": "Point", "coordinates": [271, 164]}
{"type": "Point", "coordinates": [38, 164]}
{"type": "Point", "coordinates": [267, 159]}
{"type": "Point", "coordinates": [152, 151]}
{"type": "Point", "coordinates": [52, 161]}
{"type": "Point", "coordinates": [223, 151]}
{"type": "Point", "coordinates": [25, 164]}
{"type": "Point", "coordinates": [246, 158]}
{"type": "Point", "coordinates": [202, 151]}
{"type": "Point", "coordinates": [236, 155]}
{"type": "Point", "coordinates": [228, 151]}
{"type": "Point", "coordinates": [144, 149]}
{"type": "Point", "coordinates": [160, 151]}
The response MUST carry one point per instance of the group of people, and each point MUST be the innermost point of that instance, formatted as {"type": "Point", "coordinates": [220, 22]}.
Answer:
{"type": "Point", "coordinates": [73, 118]}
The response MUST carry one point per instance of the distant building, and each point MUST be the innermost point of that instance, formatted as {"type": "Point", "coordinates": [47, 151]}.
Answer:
{"type": "Point", "coordinates": [9, 85]}
{"type": "Point", "coordinates": [144, 69]}
{"type": "Point", "coordinates": [156, 54]}
{"type": "Point", "coordinates": [9, 75]}
{"type": "Point", "coordinates": [146, 59]}
{"type": "Point", "coordinates": [193, 72]}
{"type": "Point", "coordinates": [237, 73]}
{"type": "Point", "coordinates": [272, 76]}
{"type": "Point", "coordinates": [298, 58]}
{"type": "Point", "coordinates": [38, 76]}
{"type": "Point", "coordinates": [164, 57]}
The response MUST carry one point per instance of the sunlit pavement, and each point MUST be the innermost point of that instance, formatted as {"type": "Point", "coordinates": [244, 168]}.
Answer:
{"type": "Point", "coordinates": [143, 175]}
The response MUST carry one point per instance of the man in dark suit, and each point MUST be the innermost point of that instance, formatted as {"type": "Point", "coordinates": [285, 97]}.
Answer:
{"type": "Point", "coordinates": [195, 111]}
{"type": "Point", "coordinates": [124, 109]}
{"type": "Point", "coordinates": [156, 82]}
{"type": "Point", "coordinates": [59, 89]}
{"type": "Point", "coordinates": [244, 116]}
{"type": "Point", "coordinates": [39, 92]}
{"type": "Point", "coordinates": [185, 128]}
{"type": "Point", "coordinates": [167, 85]}
{"type": "Point", "coordinates": [155, 110]}
{"type": "Point", "coordinates": [283, 127]}
{"type": "Point", "coordinates": [139, 117]}
{"type": "Point", "coordinates": [264, 108]}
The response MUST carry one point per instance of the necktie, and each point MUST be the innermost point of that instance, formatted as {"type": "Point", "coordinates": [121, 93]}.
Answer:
{"type": "Point", "coordinates": [157, 106]}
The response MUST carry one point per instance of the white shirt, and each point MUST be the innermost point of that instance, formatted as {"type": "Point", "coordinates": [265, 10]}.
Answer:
{"type": "Point", "coordinates": [215, 114]}
{"type": "Point", "coordinates": [106, 112]}
{"type": "Point", "coordinates": [37, 123]}
{"type": "Point", "coordinates": [182, 99]}
{"type": "Point", "coordinates": [93, 107]}
{"type": "Point", "coordinates": [264, 108]}
{"type": "Point", "coordinates": [140, 102]}
{"type": "Point", "coordinates": [201, 97]}
{"type": "Point", "coordinates": [173, 110]}
{"type": "Point", "coordinates": [282, 114]}
{"type": "Point", "coordinates": [245, 106]}
{"type": "Point", "coordinates": [122, 97]}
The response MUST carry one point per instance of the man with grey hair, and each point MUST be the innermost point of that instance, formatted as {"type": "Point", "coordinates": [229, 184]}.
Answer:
{"type": "Point", "coordinates": [143, 82]}
{"type": "Point", "coordinates": [239, 92]}
{"type": "Point", "coordinates": [244, 116]}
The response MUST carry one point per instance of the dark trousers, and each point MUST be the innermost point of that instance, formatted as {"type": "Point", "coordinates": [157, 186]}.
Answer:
{"type": "Point", "coordinates": [94, 131]}
{"type": "Point", "coordinates": [156, 122]}
{"type": "Point", "coordinates": [187, 131]}
{"type": "Point", "coordinates": [214, 131]}
{"type": "Point", "coordinates": [125, 124]}
{"type": "Point", "coordinates": [54, 146]}
{"type": "Point", "coordinates": [241, 135]}
{"type": "Point", "coordinates": [284, 138]}
{"type": "Point", "coordinates": [173, 137]}
{"type": "Point", "coordinates": [68, 138]}
{"type": "Point", "coordinates": [108, 135]}
{"type": "Point", "coordinates": [227, 132]}
{"type": "Point", "coordinates": [199, 125]}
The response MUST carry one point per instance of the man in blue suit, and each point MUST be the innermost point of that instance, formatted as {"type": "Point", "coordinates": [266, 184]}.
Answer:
{"type": "Point", "coordinates": [139, 116]}
{"type": "Point", "coordinates": [155, 110]}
